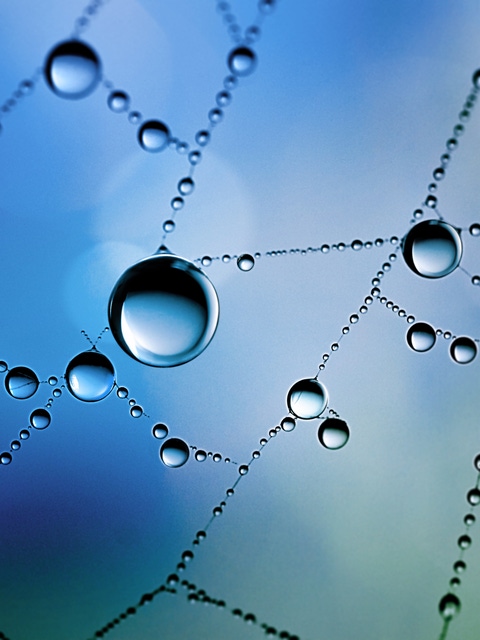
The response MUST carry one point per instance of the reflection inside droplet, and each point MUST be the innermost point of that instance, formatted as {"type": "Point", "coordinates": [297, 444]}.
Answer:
{"type": "Point", "coordinates": [174, 452]}
{"type": "Point", "coordinates": [333, 433]}
{"type": "Point", "coordinates": [432, 248]}
{"type": "Point", "coordinates": [307, 399]}
{"type": "Point", "coordinates": [421, 337]}
{"type": "Point", "coordinates": [21, 383]}
{"type": "Point", "coordinates": [72, 70]}
{"type": "Point", "coordinates": [90, 376]}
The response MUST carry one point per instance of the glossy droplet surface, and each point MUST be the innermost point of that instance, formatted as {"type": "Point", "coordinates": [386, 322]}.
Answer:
{"type": "Point", "coordinates": [245, 262]}
{"type": "Point", "coordinates": [40, 419]}
{"type": "Point", "coordinates": [463, 350]}
{"type": "Point", "coordinates": [174, 452]}
{"type": "Point", "coordinates": [160, 431]}
{"type": "Point", "coordinates": [136, 411]}
{"type": "Point", "coordinates": [21, 383]}
{"type": "Point", "coordinates": [333, 433]}
{"type": "Point", "coordinates": [90, 376]}
{"type": "Point", "coordinates": [473, 497]}
{"type": "Point", "coordinates": [118, 101]}
{"type": "Point", "coordinates": [449, 606]}
{"type": "Point", "coordinates": [5, 458]}
{"type": "Point", "coordinates": [432, 249]}
{"type": "Point", "coordinates": [421, 337]}
{"type": "Point", "coordinates": [163, 311]}
{"type": "Point", "coordinates": [72, 70]}
{"type": "Point", "coordinates": [307, 399]}
{"type": "Point", "coordinates": [242, 61]}
{"type": "Point", "coordinates": [153, 136]}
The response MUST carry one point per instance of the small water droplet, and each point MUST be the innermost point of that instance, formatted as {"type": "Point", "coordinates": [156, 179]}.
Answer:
{"type": "Point", "coordinates": [136, 411]}
{"type": "Point", "coordinates": [464, 541]}
{"type": "Point", "coordinates": [469, 519]}
{"type": "Point", "coordinates": [449, 606]}
{"type": "Point", "coordinates": [455, 582]}
{"type": "Point", "coordinates": [245, 262]}
{"type": "Point", "coordinates": [307, 399]}
{"type": "Point", "coordinates": [174, 452]}
{"type": "Point", "coordinates": [354, 319]}
{"type": "Point", "coordinates": [40, 419]}
{"type": "Point", "coordinates": [134, 117]}
{"type": "Point", "coordinates": [21, 383]}
{"type": "Point", "coordinates": [333, 433]}
{"type": "Point", "coordinates": [421, 337]}
{"type": "Point", "coordinates": [431, 201]}
{"type": "Point", "coordinates": [223, 98]}
{"type": "Point", "coordinates": [153, 136]}
{"type": "Point", "coordinates": [243, 469]}
{"type": "Point", "coordinates": [202, 137]}
{"type": "Point", "coordinates": [200, 455]}
{"type": "Point", "coordinates": [52, 381]}
{"type": "Point", "coordinates": [186, 186]}
{"type": "Point", "coordinates": [439, 173]}
{"type": "Point", "coordinates": [473, 496]}
{"type": "Point", "coordinates": [160, 431]}
{"type": "Point", "coordinates": [177, 203]}
{"type": "Point", "coordinates": [215, 115]}
{"type": "Point", "coordinates": [475, 229]}
{"type": "Point", "coordinates": [5, 458]}
{"type": "Point", "coordinates": [451, 144]}
{"type": "Point", "coordinates": [463, 350]}
{"type": "Point", "coordinates": [217, 457]}
{"type": "Point", "coordinates": [72, 70]}
{"type": "Point", "coordinates": [24, 434]}
{"type": "Point", "coordinates": [15, 445]}
{"type": "Point", "coordinates": [217, 511]}
{"type": "Point", "coordinates": [432, 249]}
{"type": "Point", "coordinates": [168, 226]}
{"type": "Point", "coordinates": [194, 157]}
{"type": "Point", "coordinates": [459, 566]}
{"type": "Point", "coordinates": [357, 245]}
{"type": "Point", "coordinates": [476, 280]}
{"type": "Point", "coordinates": [242, 61]}
{"type": "Point", "coordinates": [118, 101]}
{"type": "Point", "coordinates": [122, 392]}
{"type": "Point", "coordinates": [3, 366]}
{"type": "Point", "coordinates": [90, 376]}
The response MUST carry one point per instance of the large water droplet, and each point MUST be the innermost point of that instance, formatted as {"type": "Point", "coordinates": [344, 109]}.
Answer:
{"type": "Point", "coordinates": [174, 452]}
{"type": "Point", "coordinates": [21, 383]}
{"type": "Point", "coordinates": [432, 248]}
{"type": "Point", "coordinates": [421, 337]}
{"type": "Point", "coordinates": [307, 399]}
{"type": "Point", "coordinates": [242, 61]}
{"type": "Point", "coordinates": [90, 376]}
{"type": "Point", "coordinates": [40, 419]}
{"type": "Point", "coordinates": [449, 606]}
{"type": "Point", "coordinates": [333, 433]}
{"type": "Point", "coordinates": [72, 69]}
{"type": "Point", "coordinates": [163, 311]}
{"type": "Point", "coordinates": [153, 136]}
{"type": "Point", "coordinates": [245, 262]}
{"type": "Point", "coordinates": [463, 350]}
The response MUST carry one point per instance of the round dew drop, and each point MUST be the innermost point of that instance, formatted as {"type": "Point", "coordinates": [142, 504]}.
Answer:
{"type": "Point", "coordinates": [90, 376]}
{"type": "Point", "coordinates": [463, 350]}
{"type": "Point", "coordinates": [449, 606]}
{"type": "Point", "coordinates": [421, 337]}
{"type": "Point", "coordinates": [160, 431]}
{"type": "Point", "coordinates": [307, 399]}
{"type": "Point", "coordinates": [153, 136]}
{"type": "Point", "coordinates": [245, 262]}
{"type": "Point", "coordinates": [40, 419]}
{"type": "Point", "coordinates": [432, 249]}
{"type": "Point", "coordinates": [72, 70]}
{"type": "Point", "coordinates": [163, 311]}
{"type": "Point", "coordinates": [333, 433]}
{"type": "Point", "coordinates": [118, 101]}
{"type": "Point", "coordinates": [21, 383]}
{"type": "Point", "coordinates": [242, 61]}
{"type": "Point", "coordinates": [174, 453]}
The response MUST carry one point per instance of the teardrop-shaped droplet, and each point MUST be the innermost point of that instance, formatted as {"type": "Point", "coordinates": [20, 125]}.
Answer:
{"type": "Point", "coordinates": [163, 311]}
{"type": "Point", "coordinates": [432, 249]}
{"type": "Point", "coordinates": [421, 337]}
{"type": "Point", "coordinates": [90, 376]}
{"type": "Point", "coordinates": [333, 433]}
{"type": "Point", "coordinates": [463, 350]}
{"type": "Point", "coordinates": [40, 419]}
{"type": "Point", "coordinates": [449, 606]}
{"type": "Point", "coordinates": [160, 431]}
{"type": "Point", "coordinates": [307, 399]}
{"type": "Point", "coordinates": [21, 383]}
{"type": "Point", "coordinates": [153, 136]}
{"type": "Point", "coordinates": [72, 70]}
{"type": "Point", "coordinates": [245, 262]}
{"type": "Point", "coordinates": [242, 61]}
{"type": "Point", "coordinates": [174, 452]}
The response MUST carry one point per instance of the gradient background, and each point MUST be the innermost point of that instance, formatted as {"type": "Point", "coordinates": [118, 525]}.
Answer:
{"type": "Point", "coordinates": [333, 138]}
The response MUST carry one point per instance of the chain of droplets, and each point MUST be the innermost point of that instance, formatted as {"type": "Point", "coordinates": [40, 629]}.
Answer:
{"type": "Point", "coordinates": [451, 144]}
{"type": "Point", "coordinates": [89, 12]}
{"type": "Point", "coordinates": [450, 605]}
{"type": "Point", "coordinates": [265, 7]}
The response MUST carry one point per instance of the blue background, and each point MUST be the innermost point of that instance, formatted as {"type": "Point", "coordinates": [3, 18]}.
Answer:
{"type": "Point", "coordinates": [334, 137]}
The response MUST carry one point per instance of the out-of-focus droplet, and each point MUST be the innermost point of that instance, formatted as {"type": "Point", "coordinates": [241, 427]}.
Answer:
{"type": "Point", "coordinates": [421, 337]}
{"type": "Point", "coordinates": [163, 311]}
{"type": "Point", "coordinates": [474, 229]}
{"type": "Point", "coordinates": [449, 606]}
{"type": "Point", "coordinates": [153, 136]}
{"type": "Point", "coordinates": [463, 350]}
{"type": "Point", "coordinates": [473, 496]}
{"type": "Point", "coordinates": [464, 541]}
{"type": "Point", "coordinates": [174, 452]}
{"type": "Point", "coordinates": [21, 383]}
{"type": "Point", "coordinates": [90, 376]}
{"type": "Point", "coordinates": [245, 262]}
{"type": "Point", "coordinates": [432, 249]}
{"type": "Point", "coordinates": [242, 61]}
{"type": "Point", "coordinates": [333, 433]}
{"type": "Point", "coordinates": [186, 186]}
{"type": "Point", "coordinates": [307, 399]}
{"type": "Point", "coordinates": [72, 70]}
{"type": "Point", "coordinates": [40, 419]}
{"type": "Point", "coordinates": [118, 101]}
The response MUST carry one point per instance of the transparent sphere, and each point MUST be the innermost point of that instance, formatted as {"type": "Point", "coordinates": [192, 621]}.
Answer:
{"type": "Point", "coordinates": [174, 452]}
{"type": "Point", "coordinates": [242, 61]}
{"type": "Point", "coordinates": [421, 337]}
{"type": "Point", "coordinates": [153, 136]}
{"type": "Point", "coordinates": [449, 606]}
{"type": "Point", "coordinates": [40, 419]}
{"type": "Point", "coordinates": [118, 101]}
{"type": "Point", "coordinates": [307, 399]}
{"type": "Point", "coordinates": [72, 70]}
{"type": "Point", "coordinates": [245, 262]}
{"type": "Point", "coordinates": [21, 383]}
{"type": "Point", "coordinates": [333, 433]}
{"type": "Point", "coordinates": [432, 249]}
{"type": "Point", "coordinates": [163, 311]}
{"type": "Point", "coordinates": [90, 376]}
{"type": "Point", "coordinates": [160, 431]}
{"type": "Point", "coordinates": [463, 350]}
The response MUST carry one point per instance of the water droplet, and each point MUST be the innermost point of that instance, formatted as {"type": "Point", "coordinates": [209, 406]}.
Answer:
{"type": "Point", "coordinates": [168, 226]}
{"type": "Point", "coordinates": [40, 419]}
{"type": "Point", "coordinates": [421, 337]}
{"type": "Point", "coordinates": [194, 157]}
{"type": "Point", "coordinates": [469, 519]}
{"type": "Point", "coordinates": [163, 311]}
{"type": "Point", "coordinates": [206, 261]}
{"type": "Point", "coordinates": [200, 455]}
{"type": "Point", "coordinates": [90, 376]}
{"type": "Point", "coordinates": [122, 392]}
{"type": "Point", "coordinates": [217, 457]}
{"type": "Point", "coordinates": [134, 117]}
{"type": "Point", "coordinates": [455, 582]}
{"type": "Point", "coordinates": [476, 462]}
{"type": "Point", "coordinates": [449, 606]}
{"type": "Point", "coordinates": [118, 101]}
{"type": "Point", "coordinates": [136, 411]}
{"type": "Point", "coordinates": [52, 381]}
{"type": "Point", "coordinates": [458, 129]}
{"type": "Point", "coordinates": [174, 452]}
{"type": "Point", "coordinates": [72, 70]}
{"type": "Point", "coordinates": [187, 556]}
{"type": "Point", "coordinates": [451, 144]}
{"type": "Point", "coordinates": [242, 61]}
{"type": "Point", "coordinates": [3, 366]}
{"type": "Point", "coordinates": [459, 566]}
{"type": "Point", "coordinates": [357, 245]}
{"type": "Point", "coordinates": [307, 399]}
{"type": "Point", "coordinates": [333, 433]}
{"type": "Point", "coordinates": [160, 431]}
{"type": "Point", "coordinates": [476, 280]}
{"type": "Point", "coordinates": [5, 458]}
{"type": "Point", "coordinates": [432, 248]}
{"type": "Point", "coordinates": [243, 469]}
{"type": "Point", "coordinates": [245, 262]}
{"type": "Point", "coordinates": [464, 541]}
{"type": "Point", "coordinates": [215, 115]}
{"type": "Point", "coordinates": [439, 173]}
{"type": "Point", "coordinates": [217, 511]}
{"type": "Point", "coordinates": [21, 383]}
{"type": "Point", "coordinates": [153, 136]}
{"type": "Point", "coordinates": [202, 137]}
{"type": "Point", "coordinates": [256, 455]}
{"type": "Point", "coordinates": [473, 497]}
{"type": "Point", "coordinates": [475, 229]}
{"type": "Point", "coordinates": [15, 445]}
{"type": "Point", "coordinates": [186, 186]}
{"type": "Point", "coordinates": [288, 424]}
{"type": "Point", "coordinates": [24, 434]}
{"type": "Point", "coordinates": [223, 98]}
{"type": "Point", "coordinates": [463, 350]}
{"type": "Point", "coordinates": [354, 318]}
